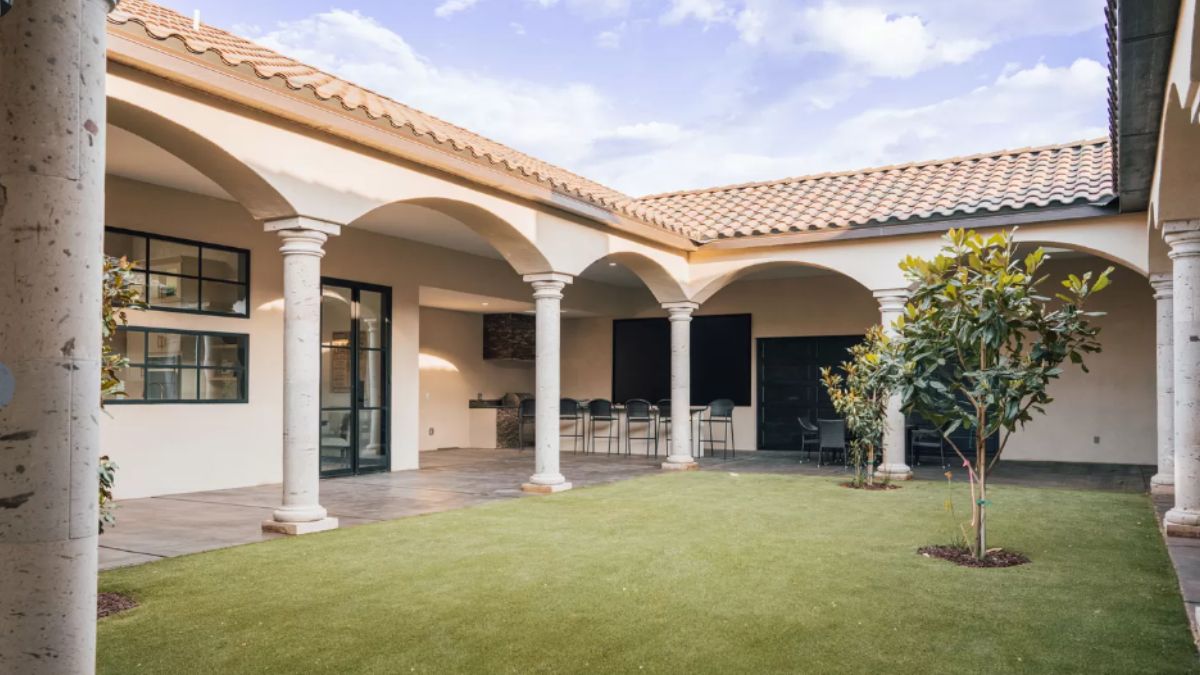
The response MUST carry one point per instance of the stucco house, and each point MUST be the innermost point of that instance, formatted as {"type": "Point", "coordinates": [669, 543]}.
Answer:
{"type": "Point", "coordinates": [320, 263]}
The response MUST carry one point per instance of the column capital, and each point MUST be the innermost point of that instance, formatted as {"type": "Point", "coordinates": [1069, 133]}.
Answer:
{"type": "Point", "coordinates": [891, 299]}
{"type": "Point", "coordinates": [329, 228]}
{"type": "Point", "coordinates": [549, 277]}
{"type": "Point", "coordinates": [1183, 236]}
{"type": "Point", "coordinates": [680, 311]}
{"type": "Point", "coordinates": [303, 242]}
{"type": "Point", "coordinates": [1163, 284]}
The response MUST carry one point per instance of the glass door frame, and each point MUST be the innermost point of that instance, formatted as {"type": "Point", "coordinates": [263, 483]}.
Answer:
{"type": "Point", "coordinates": [385, 386]}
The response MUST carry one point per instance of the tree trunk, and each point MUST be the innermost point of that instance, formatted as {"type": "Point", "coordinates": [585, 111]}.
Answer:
{"type": "Point", "coordinates": [981, 462]}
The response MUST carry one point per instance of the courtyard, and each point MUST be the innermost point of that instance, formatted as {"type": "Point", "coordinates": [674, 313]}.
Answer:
{"type": "Point", "coordinates": [709, 571]}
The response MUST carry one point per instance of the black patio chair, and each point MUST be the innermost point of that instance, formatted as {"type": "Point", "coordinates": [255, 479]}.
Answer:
{"type": "Point", "coordinates": [569, 410]}
{"type": "Point", "coordinates": [526, 414]}
{"type": "Point", "coordinates": [601, 410]}
{"type": "Point", "coordinates": [926, 439]}
{"type": "Point", "coordinates": [810, 435]}
{"type": "Point", "coordinates": [639, 411]}
{"type": "Point", "coordinates": [720, 414]}
{"type": "Point", "coordinates": [832, 437]}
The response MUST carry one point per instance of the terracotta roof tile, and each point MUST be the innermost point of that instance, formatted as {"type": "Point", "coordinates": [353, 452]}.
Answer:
{"type": "Point", "coordinates": [1078, 173]}
{"type": "Point", "coordinates": [162, 24]}
{"type": "Point", "coordinates": [1075, 173]}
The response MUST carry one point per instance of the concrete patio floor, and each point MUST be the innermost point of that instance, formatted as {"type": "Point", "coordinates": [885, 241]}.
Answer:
{"type": "Point", "coordinates": [162, 527]}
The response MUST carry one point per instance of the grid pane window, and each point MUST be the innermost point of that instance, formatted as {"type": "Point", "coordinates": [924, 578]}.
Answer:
{"type": "Point", "coordinates": [167, 366]}
{"type": "Point", "coordinates": [185, 276]}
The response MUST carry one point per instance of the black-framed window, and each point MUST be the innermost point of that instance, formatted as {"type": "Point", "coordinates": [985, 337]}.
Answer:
{"type": "Point", "coordinates": [180, 275]}
{"type": "Point", "coordinates": [177, 366]}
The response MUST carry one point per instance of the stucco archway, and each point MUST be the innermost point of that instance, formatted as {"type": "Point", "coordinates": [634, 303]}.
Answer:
{"type": "Point", "coordinates": [657, 278]}
{"type": "Point", "coordinates": [237, 178]}
{"type": "Point", "coordinates": [504, 237]}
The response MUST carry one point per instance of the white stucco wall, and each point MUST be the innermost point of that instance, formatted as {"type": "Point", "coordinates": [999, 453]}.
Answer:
{"type": "Point", "coordinates": [172, 448]}
{"type": "Point", "coordinates": [457, 337]}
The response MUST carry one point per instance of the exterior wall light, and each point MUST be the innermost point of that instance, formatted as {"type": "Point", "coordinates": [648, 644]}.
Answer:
{"type": "Point", "coordinates": [5, 5]}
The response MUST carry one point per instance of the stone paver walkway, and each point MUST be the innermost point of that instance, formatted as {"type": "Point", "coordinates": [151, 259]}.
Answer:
{"type": "Point", "coordinates": [161, 527]}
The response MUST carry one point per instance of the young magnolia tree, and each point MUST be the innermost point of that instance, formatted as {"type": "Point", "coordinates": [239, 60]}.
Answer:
{"type": "Point", "coordinates": [979, 343]}
{"type": "Point", "coordinates": [121, 292]}
{"type": "Point", "coordinates": [859, 394]}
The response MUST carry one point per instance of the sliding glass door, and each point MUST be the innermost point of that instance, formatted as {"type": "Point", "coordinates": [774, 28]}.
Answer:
{"type": "Point", "coordinates": [355, 372]}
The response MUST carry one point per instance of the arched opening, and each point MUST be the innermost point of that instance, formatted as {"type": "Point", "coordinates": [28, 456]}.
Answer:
{"type": "Point", "coordinates": [216, 165]}
{"type": "Point", "coordinates": [803, 317]}
{"type": "Point", "coordinates": [458, 225]}
{"type": "Point", "coordinates": [632, 269]}
{"type": "Point", "coordinates": [1107, 415]}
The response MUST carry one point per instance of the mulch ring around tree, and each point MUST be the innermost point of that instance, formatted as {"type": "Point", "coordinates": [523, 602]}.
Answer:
{"type": "Point", "coordinates": [995, 557]}
{"type": "Point", "coordinates": [872, 486]}
{"type": "Point", "coordinates": [108, 604]}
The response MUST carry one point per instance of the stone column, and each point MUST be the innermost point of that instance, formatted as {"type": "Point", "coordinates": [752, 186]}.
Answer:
{"type": "Point", "coordinates": [1163, 482]}
{"type": "Point", "coordinates": [680, 458]}
{"type": "Point", "coordinates": [1184, 239]}
{"type": "Point", "coordinates": [301, 511]}
{"type": "Point", "coordinates": [547, 293]}
{"type": "Point", "coordinates": [891, 306]}
{"type": "Point", "coordinates": [52, 65]}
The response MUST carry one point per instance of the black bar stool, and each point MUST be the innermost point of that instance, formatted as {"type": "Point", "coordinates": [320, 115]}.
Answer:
{"type": "Point", "coordinates": [720, 414]}
{"type": "Point", "coordinates": [639, 411]}
{"type": "Point", "coordinates": [664, 423]}
{"type": "Point", "coordinates": [601, 410]}
{"type": "Point", "coordinates": [569, 410]}
{"type": "Point", "coordinates": [526, 414]}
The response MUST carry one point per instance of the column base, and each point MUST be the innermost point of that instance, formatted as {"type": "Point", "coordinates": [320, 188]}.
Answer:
{"type": "Point", "coordinates": [293, 529]}
{"type": "Point", "coordinates": [680, 466]}
{"type": "Point", "coordinates": [1162, 484]}
{"type": "Point", "coordinates": [539, 489]}
{"type": "Point", "coordinates": [894, 472]}
{"type": "Point", "coordinates": [1178, 523]}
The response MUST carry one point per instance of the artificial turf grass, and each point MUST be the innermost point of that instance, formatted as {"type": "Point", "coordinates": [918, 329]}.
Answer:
{"type": "Point", "coordinates": [696, 572]}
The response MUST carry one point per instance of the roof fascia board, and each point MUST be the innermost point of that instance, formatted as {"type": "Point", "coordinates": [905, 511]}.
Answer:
{"type": "Point", "coordinates": [125, 47]}
{"type": "Point", "coordinates": [1021, 217]}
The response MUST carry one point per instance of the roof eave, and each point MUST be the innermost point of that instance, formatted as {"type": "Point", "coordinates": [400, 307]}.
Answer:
{"type": "Point", "coordinates": [1005, 218]}
{"type": "Point", "coordinates": [170, 60]}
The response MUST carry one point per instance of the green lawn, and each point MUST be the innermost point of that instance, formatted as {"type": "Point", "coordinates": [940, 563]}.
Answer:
{"type": "Point", "coordinates": [701, 572]}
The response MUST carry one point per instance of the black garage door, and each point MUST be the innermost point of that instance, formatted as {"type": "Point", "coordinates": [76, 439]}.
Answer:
{"type": "Point", "coordinates": [789, 385]}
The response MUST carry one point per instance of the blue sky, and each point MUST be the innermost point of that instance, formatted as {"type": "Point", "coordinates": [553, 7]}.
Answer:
{"type": "Point", "coordinates": [656, 95]}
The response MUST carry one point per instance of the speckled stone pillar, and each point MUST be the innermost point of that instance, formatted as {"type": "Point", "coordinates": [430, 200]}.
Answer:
{"type": "Point", "coordinates": [680, 314]}
{"type": "Point", "coordinates": [1163, 482]}
{"type": "Point", "coordinates": [547, 294]}
{"type": "Point", "coordinates": [891, 306]}
{"type": "Point", "coordinates": [301, 511]}
{"type": "Point", "coordinates": [1184, 239]}
{"type": "Point", "coordinates": [52, 143]}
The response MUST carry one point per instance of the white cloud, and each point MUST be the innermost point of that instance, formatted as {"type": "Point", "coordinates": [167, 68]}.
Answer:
{"type": "Point", "coordinates": [704, 11]}
{"type": "Point", "coordinates": [1032, 106]}
{"type": "Point", "coordinates": [652, 132]}
{"type": "Point", "coordinates": [746, 137]}
{"type": "Point", "coordinates": [590, 8]}
{"type": "Point", "coordinates": [558, 123]}
{"type": "Point", "coordinates": [517, 28]}
{"type": "Point", "coordinates": [609, 39]}
{"type": "Point", "coordinates": [450, 7]}
{"type": "Point", "coordinates": [865, 38]}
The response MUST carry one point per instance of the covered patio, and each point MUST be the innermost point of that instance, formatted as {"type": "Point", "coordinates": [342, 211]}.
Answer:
{"type": "Point", "coordinates": [171, 525]}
